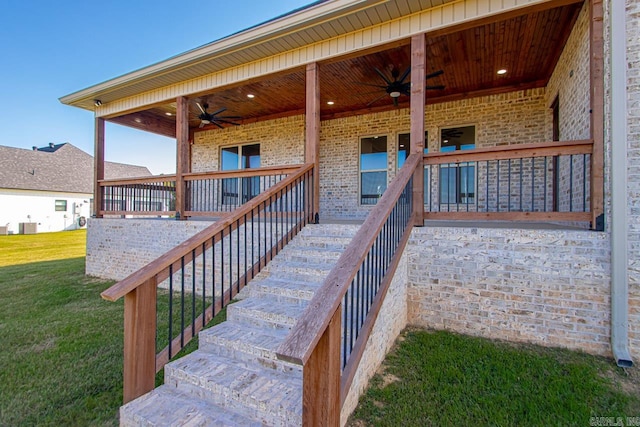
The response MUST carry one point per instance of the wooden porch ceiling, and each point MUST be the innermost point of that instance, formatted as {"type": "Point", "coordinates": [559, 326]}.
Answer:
{"type": "Point", "coordinates": [527, 46]}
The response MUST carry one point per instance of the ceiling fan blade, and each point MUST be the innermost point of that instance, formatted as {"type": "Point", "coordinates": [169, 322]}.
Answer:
{"type": "Point", "coordinates": [387, 81]}
{"type": "Point", "coordinates": [219, 111]}
{"type": "Point", "coordinates": [439, 87]}
{"type": "Point", "coordinates": [434, 74]}
{"type": "Point", "coordinates": [201, 125]}
{"type": "Point", "coordinates": [405, 74]}
{"type": "Point", "coordinates": [200, 107]}
{"type": "Point", "coordinates": [376, 100]}
{"type": "Point", "coordinates": [218, 124]}
{"type": "Point", "coordinates": [228, 117]}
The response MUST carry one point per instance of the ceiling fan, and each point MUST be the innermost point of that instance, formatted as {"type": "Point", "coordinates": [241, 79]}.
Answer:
{"type": "Point", "coordinates": [397, 87]}
{"type": "Point", "coordinates": [214, 118]}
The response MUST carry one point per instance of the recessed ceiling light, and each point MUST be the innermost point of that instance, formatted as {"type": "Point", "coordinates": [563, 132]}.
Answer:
{"type": "Point", "coordinates": [330, 102]}
{"type": "Point", "coordinates": [251, 96]}
{"type": "Point", "coordinates": [168, 113]}
{"type": "Point", "coordinates": [502, 71]}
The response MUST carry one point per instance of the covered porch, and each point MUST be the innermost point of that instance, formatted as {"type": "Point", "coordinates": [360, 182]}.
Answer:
{"type": "Point", "coordinates": [509, 123]}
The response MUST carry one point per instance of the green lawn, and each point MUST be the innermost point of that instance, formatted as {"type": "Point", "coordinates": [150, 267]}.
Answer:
{"type": "Point", "coordinates": [61, 352]}
{"type": "Point", "coordinates": [443, 379]}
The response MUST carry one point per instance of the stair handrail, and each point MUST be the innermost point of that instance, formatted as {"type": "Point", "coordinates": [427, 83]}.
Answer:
{"type": "Point", "coordinates": [314, 340]}
{"type": "Point", "coordinates": [289, 202]}
{"type": "Point", "coordinates": [155, 267]}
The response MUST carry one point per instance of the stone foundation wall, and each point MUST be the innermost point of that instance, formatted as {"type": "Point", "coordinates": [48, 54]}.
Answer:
{"type": "Point", "coordinates": [118, 247]}
{"type": "Point", "coordinates": [547, 287]}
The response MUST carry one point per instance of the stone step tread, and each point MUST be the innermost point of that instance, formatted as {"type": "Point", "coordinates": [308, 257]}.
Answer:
{"type": "Point", "coordinates": [279, 285]}
{"type": "Point", "coordinates": [167, 406]}
{"type": "Point", "coordinates": [279, 264]}
{"type": "Point", "coordinates": [314, 252]}
{"type": "Point", "coordinates": [267, 308]}
{"type": "Point", "coordinates": [236, 384]}
{"type": "Point", "coordinates": [323, 230]}
{"type": "Point", "coordinates": [290, 276]}
{"type": "Point", "coordinates": [246, 338]}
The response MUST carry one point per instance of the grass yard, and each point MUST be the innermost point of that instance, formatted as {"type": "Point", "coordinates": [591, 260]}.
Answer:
{"type": "Point", "coordinates": [443, 379]}
{"type": "Point", "coordinates": [61, 352]}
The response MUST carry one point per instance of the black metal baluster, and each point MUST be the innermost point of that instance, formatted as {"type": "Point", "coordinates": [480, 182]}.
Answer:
{"type": "Point", "coordinates": [571, 183]}
{"type": "Point", "coordinates": [193, 292]}
{"type": "Point", "coordinates": [181, 302]}
{"type": "Point", "coordinates": [509, 187]}
{"type": "Point", "coordinates": [544, 208]}
{"type": "Point", "coordinates": [238, 255]}
{"type": "Point", "coordinates": [498, 185]}
{"type": "Point", "coordinates": [170, 308]}
{"type": "Point", "coordinates": [204, 284]}
{"type": "Point", "coordinates": [584, 182]}
{"type": "Point", "coordinates": [521, 183]}
{"type": "Point", "coordinates": [533, 181]}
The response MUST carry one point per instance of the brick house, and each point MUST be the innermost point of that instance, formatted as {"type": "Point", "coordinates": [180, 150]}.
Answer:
{"type": "Point", "coordinates": [499, 199]}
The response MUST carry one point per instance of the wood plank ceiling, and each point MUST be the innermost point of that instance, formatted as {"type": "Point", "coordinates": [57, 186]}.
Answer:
{"type": "Point", "coordinates": [527, 46]}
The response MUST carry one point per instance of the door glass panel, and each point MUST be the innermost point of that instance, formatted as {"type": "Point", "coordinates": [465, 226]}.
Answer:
{"type": "Point", "coordinates": [457, 181]}
{"type": "Point", "coordinates": [373, 169]}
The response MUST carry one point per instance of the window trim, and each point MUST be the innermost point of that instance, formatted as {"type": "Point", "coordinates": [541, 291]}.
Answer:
{"type": "Point", "coordinates": [56, 207]}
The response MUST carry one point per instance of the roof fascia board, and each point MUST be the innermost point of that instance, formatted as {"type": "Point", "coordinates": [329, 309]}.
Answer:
{"type": "Point", "coordinates": [302, 19]}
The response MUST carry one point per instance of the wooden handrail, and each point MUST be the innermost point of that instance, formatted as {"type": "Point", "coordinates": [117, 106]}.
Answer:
{"type": "Point", "coordinates": [515, 151]}
{"type": "Point", "coordinates": [242, 173]}
{"type": "Point", "coordinates": [139, 180]}
{"type": "Point", "coordinates": [163, 262]}
{"type": "Point", "coordinates": [307, 332]}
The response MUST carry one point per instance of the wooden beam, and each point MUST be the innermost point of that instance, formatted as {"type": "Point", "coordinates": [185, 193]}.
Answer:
{"type": "Point", "coordinates": [139, 340]}
{"type": "Point", "coordinates": [321, 379]}
{"type": "Point", "coordinates": [417, 110]}
{"type": "Point", "coordinates": [98, 166]}
{"type": "Point", "coordinates": [596, 65]}
{"type": "Point", "coordinates": [312, 130]}
{"type": "Point", "coordinates": [182, 153]}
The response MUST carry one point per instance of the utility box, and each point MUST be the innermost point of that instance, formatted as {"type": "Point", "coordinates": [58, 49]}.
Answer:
{"type": "Point", "coordinates": [28, 228]}
{"type": "Point", "coordinates": [4, 230]}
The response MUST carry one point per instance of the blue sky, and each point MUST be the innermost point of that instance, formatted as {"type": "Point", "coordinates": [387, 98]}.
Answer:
{"type": "Point", "coordinates": [52, 48]}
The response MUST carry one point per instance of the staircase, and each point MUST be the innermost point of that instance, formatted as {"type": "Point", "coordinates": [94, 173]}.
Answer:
{"type": "Point", "coordinates": [234, 378]}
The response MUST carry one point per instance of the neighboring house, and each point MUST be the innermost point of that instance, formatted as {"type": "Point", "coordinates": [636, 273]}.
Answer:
{"type": "Point", "coordinates": [514, 149]}
{"type": "Point", "coordinates": [50, 188]}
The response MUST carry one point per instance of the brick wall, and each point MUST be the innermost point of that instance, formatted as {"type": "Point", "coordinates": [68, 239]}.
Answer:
{"type": "Point", "coordinates": [548, 287]}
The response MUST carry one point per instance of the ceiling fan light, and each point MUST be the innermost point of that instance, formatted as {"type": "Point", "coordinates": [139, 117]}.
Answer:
{"type": "Point", "coordinates": [395, 94]}
{"type": "Point", "coordinates": [206, 122]}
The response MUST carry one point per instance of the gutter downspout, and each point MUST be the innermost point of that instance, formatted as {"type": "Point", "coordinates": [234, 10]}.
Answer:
{"type": "Point", "coordinates": [619, 244]}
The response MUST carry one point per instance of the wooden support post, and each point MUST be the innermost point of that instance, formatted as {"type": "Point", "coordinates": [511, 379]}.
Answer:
{"type": "Point", "coordinates": [597, 115]}
{"type": "Point", "coordinates": [140, 340]}
{"type": "Point", "coordinates": [98, 166]}
{"type": "Point", "coordinates": [418, 75]}
{"type": "Point", "coordinates": [182, 154]}
{"type": "Point", "coordinates": [312, 130]}
{"type": "Point", "coordinates": [321, 379]}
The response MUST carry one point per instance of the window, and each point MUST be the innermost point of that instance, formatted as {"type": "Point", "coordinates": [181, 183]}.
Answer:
{"type": "Point", "coordinates": [373, 169]}
{"type": "Point", "coordinates": [61, 205]}
{"type": "Point", "coordinates": [236, 191]}
{"type": "Point", "coordinates": [457, 182]}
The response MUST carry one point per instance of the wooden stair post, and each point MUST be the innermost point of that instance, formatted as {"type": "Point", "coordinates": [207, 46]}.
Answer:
{"type": "Point", "coordinates": [140, 340]}
{"type": "Point", "coordinates": [321, 378]}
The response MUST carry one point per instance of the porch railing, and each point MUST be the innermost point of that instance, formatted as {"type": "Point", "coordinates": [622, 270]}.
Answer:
{"type": "Point", "coordinates": [206, 193]}
{"type": "Point", "coordinates": [182, 290]}
{"type": "Point", "coordinates": [330, 337]}
{"type": "Point", "coordinates": [544, 181]}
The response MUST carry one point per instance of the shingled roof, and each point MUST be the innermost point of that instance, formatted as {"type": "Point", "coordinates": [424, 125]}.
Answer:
{"type": "Point", "coordinates": [57, 167]}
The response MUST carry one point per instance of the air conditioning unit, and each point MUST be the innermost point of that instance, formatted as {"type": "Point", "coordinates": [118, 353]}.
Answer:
{"type": "Point", "coordinates": [28, 228]}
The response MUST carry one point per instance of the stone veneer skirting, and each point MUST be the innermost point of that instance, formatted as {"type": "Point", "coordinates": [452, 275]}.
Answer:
{"type": "Point", "coordinates": [545, 286]}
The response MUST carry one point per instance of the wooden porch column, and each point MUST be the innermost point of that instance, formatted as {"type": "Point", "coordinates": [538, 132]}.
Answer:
{"type": "Point", "coordinates": [418, 75]}
{"type": "Point", "coordinates": [597, 115]}
{"type": "Point", "coordinates": [182, 153]}
{"type": "Point", "coordinates": [312, 131]}
{"type": "Point", "coordinates": [98, 166]}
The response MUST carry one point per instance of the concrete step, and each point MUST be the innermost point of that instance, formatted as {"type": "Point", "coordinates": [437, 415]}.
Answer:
{"type": "Point", "coordinates": [271, 397]}
{"type": "Point", "coordinates": [167, 406]}
{"type": "Point", "coordinates": [293, 291]}
{"type": "Point", "coordinates": [266, 312]}
{"type": "Point", "coordinates": [249, 344]}
{"type": "Point", "coordinates": [307, 253]}
{"type": "Point", "coordinates": [284, 268]}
